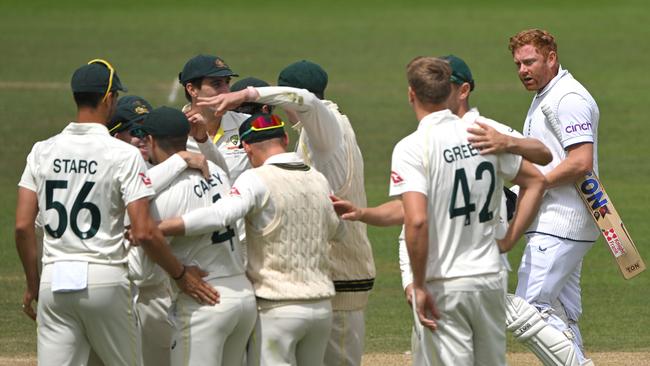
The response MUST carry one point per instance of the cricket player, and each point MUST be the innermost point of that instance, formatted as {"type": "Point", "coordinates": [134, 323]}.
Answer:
{"type": "Point", "coordinates": [83, 181]}
{"type": "Point", "coordinates": [563, 231]}
{"type": "Point", "coordinates": [204, 335]}
{"type": "Point", "coordinates": [452, 199]}
{"type": "Point", "coordinates": [209, 76]}
{"type": "Point", "coordinates": [289, 222]}
{"type": "Point", "coordinates": [328, 142]}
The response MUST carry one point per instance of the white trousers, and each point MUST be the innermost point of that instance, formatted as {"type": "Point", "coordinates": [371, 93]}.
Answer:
{"type": "Point", "coordinates": [152, 308]}
{"type": "Point", "coordinates": [292, 334]}
{"type": "Point", "coordinates": [345, 344]}
{"type": "Point", "coordinates": [550, 273]}
{"type": "Point", "coordinates": [471, 330]}
{"type": "Point", "coordinates": [214, 335]}
{"type": "Point", "coordinates": [101, 317]}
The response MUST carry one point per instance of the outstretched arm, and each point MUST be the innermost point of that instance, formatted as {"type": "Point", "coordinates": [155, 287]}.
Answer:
{"type": "Point", "coordinates": [390, 213]}
{"type": "Point", "coordinates": [488, 140]}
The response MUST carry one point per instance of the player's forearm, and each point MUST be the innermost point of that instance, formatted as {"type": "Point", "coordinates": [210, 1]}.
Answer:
{"type": "Point", "coordinates": [387, 214]}
{"type": "Point", "coordinates": [417, 246]}
{"type": "Point", "coordinates": [28, 253]}
{"type": "Point", "coordinates": [404, 263]}
{"type": "Point", "coordinates": [567, 172]}
{"type": "Point", "coordinates": [210, 151]}
{"type": "Point", "coordinates": [530, 149]}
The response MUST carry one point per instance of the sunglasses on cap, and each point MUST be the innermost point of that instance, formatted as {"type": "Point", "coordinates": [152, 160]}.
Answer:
{"type": "Point", "coordinates": [110, 76]}
{"type": "Point", "coordinates": [263, 123]}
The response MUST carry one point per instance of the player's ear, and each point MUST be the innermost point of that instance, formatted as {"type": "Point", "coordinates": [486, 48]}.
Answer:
{"type": "Point", "coordinates": [465, 89]}
{"type": "Point", "coordinates": [191, 90]}
{"type": "Point", "coordinates": [411, 95]}
{"type": "Point", "coordinates": [551, 58]}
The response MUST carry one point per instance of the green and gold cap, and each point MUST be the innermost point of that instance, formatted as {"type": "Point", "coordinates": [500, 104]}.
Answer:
{"type": "Point", "coordinates": [98, 76]}
{"type": "Point", "coordinates": [164, 122]}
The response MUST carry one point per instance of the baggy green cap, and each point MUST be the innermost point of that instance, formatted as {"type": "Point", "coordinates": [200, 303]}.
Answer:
{"type": "Point", "coordinates": [246, 82]}
{"type": "Point", "coordinates": [304, 75]}
{"type": "Point", "coordinates": [203, 66]}
{"type": "Point", "coordinates": [130, 109]}
{"type": "Point", "coordinates": [95, 77]}
{"type": "Point", "coordinates": [460, 72]}
{"type": "Point", "coordinates": [165, 122]}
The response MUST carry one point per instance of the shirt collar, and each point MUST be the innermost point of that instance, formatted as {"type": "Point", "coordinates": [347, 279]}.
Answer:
{"type": "Point", "coordinates": [288, 157]}
{"type": "Point", "coordinates": [560, 74]}
{"type": "Point", "coordinates": [436, 117]}
{"type": "Point", "coordinates": [95, 128]}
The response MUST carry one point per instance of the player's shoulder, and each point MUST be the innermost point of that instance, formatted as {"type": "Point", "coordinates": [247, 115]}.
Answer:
{"type": "Point", "coordinates": [501, 127]}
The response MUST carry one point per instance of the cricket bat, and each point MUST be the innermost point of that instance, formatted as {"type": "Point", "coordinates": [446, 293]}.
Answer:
{"type": "Point", "coordinates": [602, 210]}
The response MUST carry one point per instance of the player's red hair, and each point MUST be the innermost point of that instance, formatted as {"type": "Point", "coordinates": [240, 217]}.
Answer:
{"type": "Point", "coordinates": [542, 40]}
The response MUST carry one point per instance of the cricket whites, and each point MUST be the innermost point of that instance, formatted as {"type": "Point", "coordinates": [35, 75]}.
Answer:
{"type": "Point", "coordinates": [602, 210]}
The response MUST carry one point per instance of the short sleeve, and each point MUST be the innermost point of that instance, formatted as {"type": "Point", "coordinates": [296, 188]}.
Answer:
{"type": "Point", "coordinates": [135, 183]}
{"type": "Point", "coordinates": [509, 165]}
{"type": "Point", "coordinates": [28, 179]}
{"type": "Point", "coordinates": [574, 113]}
{"type": "Point", "coordinates": [407, 169]}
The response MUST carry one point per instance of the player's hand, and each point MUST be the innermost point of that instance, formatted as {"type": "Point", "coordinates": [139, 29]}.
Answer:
{"type": "Point", "coordinates": [346, 209]}
{"type": "Point", "coordinates": [198, 125]}
{"type": "Point", "coordinates": [196, 161]}
{"type": "Point", "coordinates": [487, 140]}
{"type": "Point", "coordinates": [426, 309]}
{"type": "Point", "coordinates": [222, 103]}
{"type": "Point", "coordinates": [193, 285]}
{"type": "Point", "coordinates": [28, 298]}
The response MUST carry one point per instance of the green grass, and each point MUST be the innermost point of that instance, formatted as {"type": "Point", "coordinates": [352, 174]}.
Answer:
{"type": "Point", "coordinates": [365, 46]}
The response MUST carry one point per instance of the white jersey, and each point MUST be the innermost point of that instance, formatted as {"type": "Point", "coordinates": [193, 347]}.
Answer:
{"type": "Point", "coordinates": [84, 179]}
{"type": "Point", "coordinates": [217, 252]}
{"type": "Point", "coordinates": [562, 213]}
{"type": "Point", "coordinates": [464, 193]}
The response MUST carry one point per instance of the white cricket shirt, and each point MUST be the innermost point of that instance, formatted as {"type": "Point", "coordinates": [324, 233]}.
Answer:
{"type": "Point", "coordinates": [562, 213]}
{"type": "Point", "coordinates": [84, 179]}
{"type": "Point", "coordinates": [464, 193]}
{"type": "Point", "coordinates": [216, 252]}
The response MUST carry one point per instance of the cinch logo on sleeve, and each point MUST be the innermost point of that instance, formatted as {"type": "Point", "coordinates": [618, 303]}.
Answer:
{"type": "Point", "coordinates": [146, 180]}
{"type": "Point", "coordinates": [578, 127]}
{"type": "Point", "coordinates": [395, 178]}
{"type": "Point", "coordinates": [234, 191]}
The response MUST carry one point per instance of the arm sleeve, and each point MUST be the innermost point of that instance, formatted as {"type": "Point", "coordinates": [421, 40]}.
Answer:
{"type": "Point", "coordinates": [407, 169]}
{"type": "Point", "coordinates": [164, 173]}
{"type": "Point", "coordinates": [210, 151]}
{"type": "Point", "coordinates": [509, 165]}
{"type": "Point", "coordinates": [319, 122]}
{"type": "Point", "coordinates": [246, 194]}
{"type": "Point", "coordinates": [133, 178]}
{"type": "Point", "coordinates": [574, 113]}
{"type": "Point", "coordinates": [27, 180]}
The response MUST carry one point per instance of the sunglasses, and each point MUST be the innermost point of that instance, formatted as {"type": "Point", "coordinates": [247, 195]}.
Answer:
{"type": "Point", "coordinates": [264, 123]}
{"type": "Point", "coordinates": [110, 77]}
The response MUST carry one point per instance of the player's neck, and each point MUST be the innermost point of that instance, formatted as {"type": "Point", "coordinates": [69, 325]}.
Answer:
{"type": "Point", "coordinates": [90, 115]}
{"type": "Point", "coordinates": [213, 126]}
{"type": "Point", "coordinates": [423, 110]}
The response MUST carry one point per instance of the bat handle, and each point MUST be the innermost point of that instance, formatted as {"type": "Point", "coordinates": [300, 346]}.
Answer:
{"type": "Point", "coordinates": [553, 121]}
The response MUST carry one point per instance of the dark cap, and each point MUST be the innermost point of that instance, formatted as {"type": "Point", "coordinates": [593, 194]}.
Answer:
{"type": "Point", "coordinates": [165, 122]}
{"type": "Point", "coordinates": [95, 77]}
{"type": "Point", "coordinates": [305, 75]}
{"type": "Point", "coordinates": [460, 72]}
{"type": "Point", "coordinates": [260, 127]}
{"type": "Point", "coordinates": [203, 66]}
{"type": "Point", "coordinates": [246, 82]}
{"type": "Point", "coordinates": [130, 109]}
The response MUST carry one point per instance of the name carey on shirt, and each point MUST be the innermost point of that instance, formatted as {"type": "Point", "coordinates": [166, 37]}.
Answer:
{"type": "Point", "coordinates": [459, 152]}
{"type": "Point", "coordinates": [204, 185]}
{"type": "Point", "coordinates": [80, 166]}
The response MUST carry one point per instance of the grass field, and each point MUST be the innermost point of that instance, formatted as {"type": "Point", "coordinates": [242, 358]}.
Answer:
{"type": "Point", "coordinates": [365, 46]}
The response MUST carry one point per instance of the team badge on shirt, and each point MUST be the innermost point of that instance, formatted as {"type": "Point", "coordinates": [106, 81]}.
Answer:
{"type": "Point", "coordinates": [146, 180]}
{"type": "Point", "coordinates": [396, 178]}
{"type": "Point", "coordinates": [234, 139]}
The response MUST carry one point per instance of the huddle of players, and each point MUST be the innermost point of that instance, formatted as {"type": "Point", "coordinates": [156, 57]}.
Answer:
{"type": "Point", "coordinates": [281, 198]}
{"type": "Point", "coordinates": [303, 298]}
